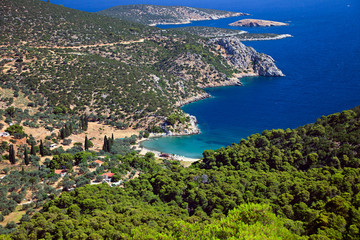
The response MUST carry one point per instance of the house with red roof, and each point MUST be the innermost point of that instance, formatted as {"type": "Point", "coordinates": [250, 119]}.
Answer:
{"type": "Point", "coordinates": [99, 162]}
{"type": "Point", "coordinates": [62, 172]}
{"type": "Point", "coordinates": [107, 176]}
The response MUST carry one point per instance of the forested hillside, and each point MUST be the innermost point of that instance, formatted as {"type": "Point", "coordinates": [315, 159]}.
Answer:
{"type": "Point", "coordinates": [309, 177]}
{"type": "Point", "coordinates": [130, 73]}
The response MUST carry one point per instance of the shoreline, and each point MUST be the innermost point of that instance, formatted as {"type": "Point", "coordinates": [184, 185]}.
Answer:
{"type": "Point", "coordinates": [281, 36]}
{"type": "Point", "coordinates": [188, 21]}
{"type": "Point", "coordinates": [158, 154]}
{"type": "Point", "coordinates": [234, 81]}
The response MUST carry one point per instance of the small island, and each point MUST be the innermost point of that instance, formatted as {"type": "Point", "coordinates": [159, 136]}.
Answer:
{"type": "Point", "coordinates": [257, 23]}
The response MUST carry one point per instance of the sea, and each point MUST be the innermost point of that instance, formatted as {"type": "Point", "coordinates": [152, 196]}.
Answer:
{"type": "Point", "coordinates": [321, 63]}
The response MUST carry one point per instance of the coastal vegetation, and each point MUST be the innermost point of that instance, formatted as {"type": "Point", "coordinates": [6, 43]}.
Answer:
{"type": "Point", "coordinates": [302, 182]}
{"type": "Point", "coordinates": [64, 72]}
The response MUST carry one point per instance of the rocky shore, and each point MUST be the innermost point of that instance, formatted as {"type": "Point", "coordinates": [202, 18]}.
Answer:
{"type": "Point", "coordinates": [257, 23]}
{"type": "Point", "coordinates": [193, 99]}
{"type": "Point", "coordinates": [249, 63]}
{"type": "Point", "coordinates": [277, 37]}
{"type": "Point", "coordinates": [247, 58]}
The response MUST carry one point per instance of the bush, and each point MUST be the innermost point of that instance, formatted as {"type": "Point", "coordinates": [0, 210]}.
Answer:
{"type": "Point", "coordinates": [16, 130]}
{"type": "Point", "coordinates": [5, 212]}
{"type": "Point", "coordinates": [66, 141]}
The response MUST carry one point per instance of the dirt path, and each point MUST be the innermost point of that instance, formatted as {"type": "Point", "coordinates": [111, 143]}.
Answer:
{"type": "Point", "coordinates": [94, 45]}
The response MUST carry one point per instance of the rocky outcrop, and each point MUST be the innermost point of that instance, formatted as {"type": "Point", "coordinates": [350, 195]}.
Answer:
{"type": "Point", "coordinates": [257, 23]}
{"type": "Point", "coordinates": [193, 99]}
{"type": "Point", "coordinates": [246, 58]}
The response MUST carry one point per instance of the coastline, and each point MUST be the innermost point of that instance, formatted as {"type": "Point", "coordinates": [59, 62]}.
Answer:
{"type": "Point", "coordinates": [188, 21]}
{"type": "Point", "coordinates": [234, 81]}
{"type": "Point", "coordinates": [281, 36]}
{"type": "Point", "coordinates": [162, 155]}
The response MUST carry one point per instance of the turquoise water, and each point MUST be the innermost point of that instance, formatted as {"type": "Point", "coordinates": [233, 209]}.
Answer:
{"type": "Point", "coordinates": [321, 63]}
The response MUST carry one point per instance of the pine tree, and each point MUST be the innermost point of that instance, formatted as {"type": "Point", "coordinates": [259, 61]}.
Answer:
{"type": "Point", "coordinates": [81, 123]}
{"type": "Point", "coordinates": [62, 133]}
{"type": "Point", "coordinates": [32, 150]}
{"type": "Point", "coordinates": [70, 129]}
{"type": "Point", "coordinates": [41, 148]}
{"type": "Point", "coordinates": [111, 142]}
{"type": "Point", "coordinates": [12, 155]}
{"type": "Point", "coordinates": [84, 122]}
{"type": "Point", "coordinates": [105, 146]}
{"type": "Point", "coordinates": [26, 157]}
{"type": "Point", "coordinates": [66, 131]}
{"type": "Point", "coordinates": [108, 145]}
{"type": "Point", "coordinates": [86, 144]}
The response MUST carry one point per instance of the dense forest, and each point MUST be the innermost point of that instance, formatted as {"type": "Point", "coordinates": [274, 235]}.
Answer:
{"type": "Point", "coordinates": [283, 184]}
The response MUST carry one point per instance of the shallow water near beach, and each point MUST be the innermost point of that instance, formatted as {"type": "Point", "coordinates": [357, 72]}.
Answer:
{"type": "Point", "coordinates": [321, 63]}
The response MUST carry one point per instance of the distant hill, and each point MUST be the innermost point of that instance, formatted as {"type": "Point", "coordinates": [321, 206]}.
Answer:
{"type": "Point", "coordinates": [156, 15]}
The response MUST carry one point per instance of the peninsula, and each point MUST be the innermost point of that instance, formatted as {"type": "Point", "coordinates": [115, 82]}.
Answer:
{"type": "Point", "coordinates": [159, 15]}
{"type": "Point", "coordinates": [214, 32]}
{"type": "Point", "coordinates": [257, 23]}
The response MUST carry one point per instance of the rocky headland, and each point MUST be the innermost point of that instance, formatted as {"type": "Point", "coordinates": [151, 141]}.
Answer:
{"type": "Point", "coordinates": [257, 23]}
{"type": "Point", "coordinates": [246, 58]}
{"type": "Point", "coordinates": [158, 15]}
{"type": "Point", "coordinates": [214, 32]}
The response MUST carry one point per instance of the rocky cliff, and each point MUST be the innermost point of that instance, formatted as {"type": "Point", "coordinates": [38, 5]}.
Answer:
{"type": "Point", "coordinates": [246, 58]}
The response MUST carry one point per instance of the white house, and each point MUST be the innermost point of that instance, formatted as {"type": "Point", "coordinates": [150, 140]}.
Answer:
{"type": "Point", "coordinates": [4, 134]}
{"type": "Point", "coordinates": [107, 176]}
{"type": "Point", "coordinates": [53, 145]}
{"type": "Point", "coordinates": [62, 172]}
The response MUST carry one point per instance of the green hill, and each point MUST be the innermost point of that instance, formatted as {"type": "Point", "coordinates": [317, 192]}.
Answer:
{"type": "Point", "coordinates": [309, 177]}
{"type": "Point", "coordinates": [126, 72]}
{"type": "Point", "coordinates": [155, 14]}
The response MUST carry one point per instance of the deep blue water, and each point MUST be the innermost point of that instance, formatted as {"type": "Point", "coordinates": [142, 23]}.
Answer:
{"type": "Point", "coordinates": [321, 63]}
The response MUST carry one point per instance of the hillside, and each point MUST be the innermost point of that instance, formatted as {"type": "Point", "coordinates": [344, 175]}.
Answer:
{"type": "Point", "coordinates": [155, 15]}
{"type": "Point", "coordinates": [130, 74]}
{"type": "Point", "coordinates": [283, 184]}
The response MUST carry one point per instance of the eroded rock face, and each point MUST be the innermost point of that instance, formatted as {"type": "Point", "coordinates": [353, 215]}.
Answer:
{"type": "Point", "coordinates": [246, 58]}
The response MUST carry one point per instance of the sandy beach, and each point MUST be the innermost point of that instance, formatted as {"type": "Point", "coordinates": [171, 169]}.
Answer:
{"type": "Point", "coordinates": [158, 154]}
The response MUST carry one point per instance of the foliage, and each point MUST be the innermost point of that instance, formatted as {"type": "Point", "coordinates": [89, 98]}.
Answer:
{"type": "Point", "coordinates": [130, 81]}
{"type": "Point", "coordinates": [310, 195]}
{"type": "Point", "coordinates": [16, 130]}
